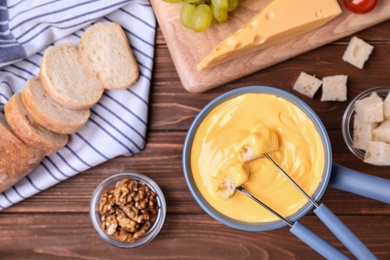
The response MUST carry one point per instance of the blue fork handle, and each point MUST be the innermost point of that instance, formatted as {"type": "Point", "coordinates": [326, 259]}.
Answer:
{"type": "Point", "coordinates": [343, 233]}
{"type": "Point", "coordinates": [315, 242]}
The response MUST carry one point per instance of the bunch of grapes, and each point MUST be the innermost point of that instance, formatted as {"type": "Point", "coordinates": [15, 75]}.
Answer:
{"type": "Point", "coordinates": [200, 14]}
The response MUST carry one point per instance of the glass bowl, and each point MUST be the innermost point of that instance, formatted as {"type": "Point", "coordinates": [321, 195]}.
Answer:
{"type": "Point", "coordinates": [347, 120]}
{"type": "Point", "coordinates": [110, 183]}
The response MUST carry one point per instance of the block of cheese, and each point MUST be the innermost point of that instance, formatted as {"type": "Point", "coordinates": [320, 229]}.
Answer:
{"type": "Point", "coordinates": [278, 21]}
{"type": "Point", "coordinates": [377, 153]}
{"type": "Point", "coordinates": [370, 109]}
{"type": "Point", "coordinates": [362, 133]}
{"type": "Point", "coordinates": [307, 84]}
{"type": "Point", "coordinates": [334, 88]}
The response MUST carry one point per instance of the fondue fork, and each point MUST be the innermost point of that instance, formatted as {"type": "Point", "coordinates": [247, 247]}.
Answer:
{"type": "Point", "coordinates": [306, 235]}
{"type": "Point", "coordinates": [338, 228]}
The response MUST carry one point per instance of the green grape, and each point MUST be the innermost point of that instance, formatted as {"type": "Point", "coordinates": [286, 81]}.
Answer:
{"type": "Point", "coordinates": [202, 18]}
{"type": "Point", "coordinates": [219, 14]}
{"type": "Point", "coordinates": [190, 1]}
{"type": "Point", "coordinates": [173, 1]}
{"type": "Point", "coordinates": [220, 4]}
{"type": "Point", "coordinates": [186, 14]}
{"type": "Point", "coordinates": [232, 5]}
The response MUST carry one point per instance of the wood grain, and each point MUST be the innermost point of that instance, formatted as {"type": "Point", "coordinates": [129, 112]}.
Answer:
{"type": "Point", "coordinates": [187, 47]}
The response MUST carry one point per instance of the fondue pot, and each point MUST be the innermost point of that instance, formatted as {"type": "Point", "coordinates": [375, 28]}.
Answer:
{"type": "Point", "coordinates": [333, 175]}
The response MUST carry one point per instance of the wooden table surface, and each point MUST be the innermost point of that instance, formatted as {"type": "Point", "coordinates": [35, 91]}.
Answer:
{"type": "Point", "coordinates": [55, 224]}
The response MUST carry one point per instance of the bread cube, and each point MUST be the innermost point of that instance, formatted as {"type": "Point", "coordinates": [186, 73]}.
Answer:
{"type": "Point", "coordinates": [377, 153]}
{"type": "Point", "coordinates": [334, 88]}
{"type": "Point", "coordinates": [386, 107]}
{"type": "Point", "coordinates": [370, 109]}
{"type": "Point", "coordinates": [357, 52]}
{"type": "Point", "coordinates": [362, 133]}
{"type": "Point", "coordinates": [382, 132]}
{"type": "Point", "coordinates": [307, 85]}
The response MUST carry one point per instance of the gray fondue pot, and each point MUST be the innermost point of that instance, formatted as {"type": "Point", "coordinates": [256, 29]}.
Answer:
{"type": "Point", "coordinates": [334, 176]}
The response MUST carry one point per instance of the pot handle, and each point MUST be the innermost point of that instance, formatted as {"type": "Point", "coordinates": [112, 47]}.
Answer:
{"type": "Point", "coordinates": [315, 242]}
{"type": "Point", "coordinates": [366, 185]}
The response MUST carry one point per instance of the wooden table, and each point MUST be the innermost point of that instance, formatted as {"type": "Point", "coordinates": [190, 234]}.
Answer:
{"type": "Point", "coordinates": [55, 223]}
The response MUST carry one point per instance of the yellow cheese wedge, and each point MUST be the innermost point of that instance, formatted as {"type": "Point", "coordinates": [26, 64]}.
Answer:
{"type": "Point", "coordinates": [278, 21]}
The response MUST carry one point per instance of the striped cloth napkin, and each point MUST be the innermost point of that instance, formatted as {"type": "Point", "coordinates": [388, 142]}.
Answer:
{"type": "Point", "coordinates": [118, 123]}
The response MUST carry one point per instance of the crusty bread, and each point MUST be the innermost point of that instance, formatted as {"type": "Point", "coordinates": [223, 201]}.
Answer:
{"type": "Point", "coordinates": [30, 132]}
{"type": "Point", "coordinates": [334, 88]}
{"type": "Point", "coordinates": [307, 85]}
{"type": "Point", "coordinates": [370, 109]}
{"type": "Point", "coordinates": [106, 55]}
{"type": "Point", "coordinates": [362, 133]}
{"type": "Point", "coordinates": [48, 113]}
{"type": "Point", "coordinates": [357, 52]}
{"type": "Point", "coordinates": [65, 80]}
{"type": "Point", "coordinates": [377, 153]}
{"type": "Point", "coordinates": [16, 158]}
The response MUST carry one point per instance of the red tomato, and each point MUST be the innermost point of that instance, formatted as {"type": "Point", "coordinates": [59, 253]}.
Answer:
{"type": "Point", "coordinates": [360, 6]}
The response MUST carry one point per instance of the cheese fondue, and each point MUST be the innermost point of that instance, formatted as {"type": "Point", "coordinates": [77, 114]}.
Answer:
{"type": "Point", "coordinates": [219, 139]}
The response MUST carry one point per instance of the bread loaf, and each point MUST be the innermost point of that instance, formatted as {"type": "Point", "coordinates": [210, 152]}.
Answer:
{"type": "Point", "coordinates": [65, 80]}
{"type": "Point", "coordinates": [48, 113]}
{"type": "Point", "coordinates": [30, 132]}
{"type": "Point", "coordinates": [106, 56]}
{"type": "Point", "coordinates": [16, 158]}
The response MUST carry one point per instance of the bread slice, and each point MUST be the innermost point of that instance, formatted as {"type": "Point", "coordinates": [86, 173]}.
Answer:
{"type": "Point", "coordinates": [334, 88]}
{"type": "Point", "coordinates": [307, 85]}
{"type": "Point", "coordinates": [106, 55]}
{"type": "Point", "coordinates": [357, 52]}
{"type": "Point", "coordinates": [65, 80]}
{"type": "Point", "coordinates": [16, 158]}
{"type": "Point", "coordinates": [48, 113]}
{"type": "Point", "coordinates": [30, 132]}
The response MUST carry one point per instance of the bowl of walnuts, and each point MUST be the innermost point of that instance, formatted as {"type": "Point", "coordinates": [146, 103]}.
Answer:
{"type": "Point", "coordinates": [128, 210]}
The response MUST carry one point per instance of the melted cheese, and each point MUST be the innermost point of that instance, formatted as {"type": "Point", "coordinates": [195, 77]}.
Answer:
{"type": "Point", "coordinates": [277, 22]}
{"type": "Point", "coordinates": [219, 138]}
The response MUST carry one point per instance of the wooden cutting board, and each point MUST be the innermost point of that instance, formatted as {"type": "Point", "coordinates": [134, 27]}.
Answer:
{"type": "Point", "coordinates": [187, 47]}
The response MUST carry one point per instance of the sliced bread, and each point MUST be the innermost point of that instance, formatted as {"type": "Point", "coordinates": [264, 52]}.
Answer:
{"type": "Point", "coordinates": [30, 132]}
{"type": "Point", "coordinates": [65, 80]}
{"type": "Point", "coordinates": [16, 158]}
{"type": "Point", "coordinates": [50, 114]}
{"type": "Point", "coordinates": [106, 55]}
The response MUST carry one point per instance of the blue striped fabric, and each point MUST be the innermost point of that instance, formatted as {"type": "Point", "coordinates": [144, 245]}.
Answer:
{"type": "Point", "coordinates": [118, 123]}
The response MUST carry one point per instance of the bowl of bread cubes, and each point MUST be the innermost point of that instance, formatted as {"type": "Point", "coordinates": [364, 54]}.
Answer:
{"type": "Point", "coordinates": [128, 210]}
{"type": "Point", "coordinates": [366, 126]}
